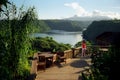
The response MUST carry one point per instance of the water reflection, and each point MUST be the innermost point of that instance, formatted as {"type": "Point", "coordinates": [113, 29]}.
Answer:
{"type": "Point", "coordinates": [67, 38]}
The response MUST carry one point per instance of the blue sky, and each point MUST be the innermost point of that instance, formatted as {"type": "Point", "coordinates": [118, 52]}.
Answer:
{"type": "Point", "coordinates": [58, 9]}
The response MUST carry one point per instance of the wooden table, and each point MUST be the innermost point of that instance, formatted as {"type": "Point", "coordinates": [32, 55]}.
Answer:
{"type": "Point", "coordinates": [48, 56]}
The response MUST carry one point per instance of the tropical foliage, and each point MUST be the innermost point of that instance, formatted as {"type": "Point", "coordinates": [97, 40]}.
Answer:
{"type": "Point", "coordinates": [105, 65]}
{"type": "Point", "coordinates": [14, 42]}
{"type": "Point", "coordinates": [48, 44]}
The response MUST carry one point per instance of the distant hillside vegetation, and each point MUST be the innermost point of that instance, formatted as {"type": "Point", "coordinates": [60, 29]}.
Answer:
{"type": "Point", "coordinates": [98, 27]}
{"type": "Point", "coordinates": [40, 26]}
{"type": "Point", "coordinates": [66, 25]}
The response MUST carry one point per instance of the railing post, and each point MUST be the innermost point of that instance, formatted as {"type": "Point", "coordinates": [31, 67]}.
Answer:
{"type": "Point", "coordinates": [73, 50]}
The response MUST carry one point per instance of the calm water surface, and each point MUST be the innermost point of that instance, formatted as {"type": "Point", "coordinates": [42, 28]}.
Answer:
{"type": "Point", "coordinates": [62, 37]}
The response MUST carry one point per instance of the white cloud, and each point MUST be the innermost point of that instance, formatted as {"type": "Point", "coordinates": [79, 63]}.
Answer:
{"type": "Point", "coordinates": [80, 11]}
{"type": "Point", "coordinates": [111, 15]}
{"type": "Point", "coordinates": [118, 7]}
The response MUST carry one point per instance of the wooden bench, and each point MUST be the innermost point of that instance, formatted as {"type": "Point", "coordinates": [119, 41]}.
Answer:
{"type": "Point", "coordinates": [62, 57]}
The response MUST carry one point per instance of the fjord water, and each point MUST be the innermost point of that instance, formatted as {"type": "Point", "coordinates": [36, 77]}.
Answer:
{"type": "Point", "coordinates": [62, 36]}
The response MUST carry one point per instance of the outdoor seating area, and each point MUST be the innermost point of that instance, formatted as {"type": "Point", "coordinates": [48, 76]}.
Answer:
{"type": "Point", "coordinates": [48, 59]}
{"type": "Point", "coordinates": [47, 62]}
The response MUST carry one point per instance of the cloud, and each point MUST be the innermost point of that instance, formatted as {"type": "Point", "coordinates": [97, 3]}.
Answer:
{"type": "Point", "coordinates": [111, 15]}
{"type": "Point", "coordinates": [81, 12]}
{"type": "Point", "coordinates": [118, 7]}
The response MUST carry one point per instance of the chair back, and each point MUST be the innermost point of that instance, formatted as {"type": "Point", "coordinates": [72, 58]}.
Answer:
{"type": "Point", "coordinates": [55, 56]}
{"type": "Point", "coordinates": [41, 59]}
{"type": "Point", "coordinates": [41, 63]}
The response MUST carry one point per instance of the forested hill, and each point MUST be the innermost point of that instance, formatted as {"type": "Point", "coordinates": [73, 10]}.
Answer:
{"type": "Point", "coordinates": [67, 25]}
{"type": "Point", "coordinates": [98, 27]}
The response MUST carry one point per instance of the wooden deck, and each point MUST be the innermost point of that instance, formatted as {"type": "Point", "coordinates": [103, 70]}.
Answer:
{"type": "Point", "coordinates": [69, 71]}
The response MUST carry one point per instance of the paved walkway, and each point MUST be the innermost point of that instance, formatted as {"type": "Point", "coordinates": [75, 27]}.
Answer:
{"type": "Point", "coordinates": [69, 71]}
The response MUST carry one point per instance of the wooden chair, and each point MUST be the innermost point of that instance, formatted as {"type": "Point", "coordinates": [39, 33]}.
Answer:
{"type": "Point", "coordinates": [55, 58]}
{"type": "Point", "coordinates": [63, 58]}
{"type": "Point", "coordinates": [41, 63]}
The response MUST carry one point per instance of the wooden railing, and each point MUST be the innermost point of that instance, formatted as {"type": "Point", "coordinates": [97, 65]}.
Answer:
{"type": "Point", "coordinates": [69, 53]}
{"type": "Point", "coordinates": [90, 50]}
{"type": "Point", "coordinates": [77, 51]}
{"type": "Point", "coordinates": [33, 70]}
{"type": "Point", "coordinates": [72, 52]}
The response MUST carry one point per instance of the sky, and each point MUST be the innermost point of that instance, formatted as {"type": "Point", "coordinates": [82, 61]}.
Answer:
{"type": "Point", "coordinates": [59, 9]}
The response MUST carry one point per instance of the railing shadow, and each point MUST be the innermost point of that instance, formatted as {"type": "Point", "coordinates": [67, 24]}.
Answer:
{"type": "Point", "coordinates": [79, 63]}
